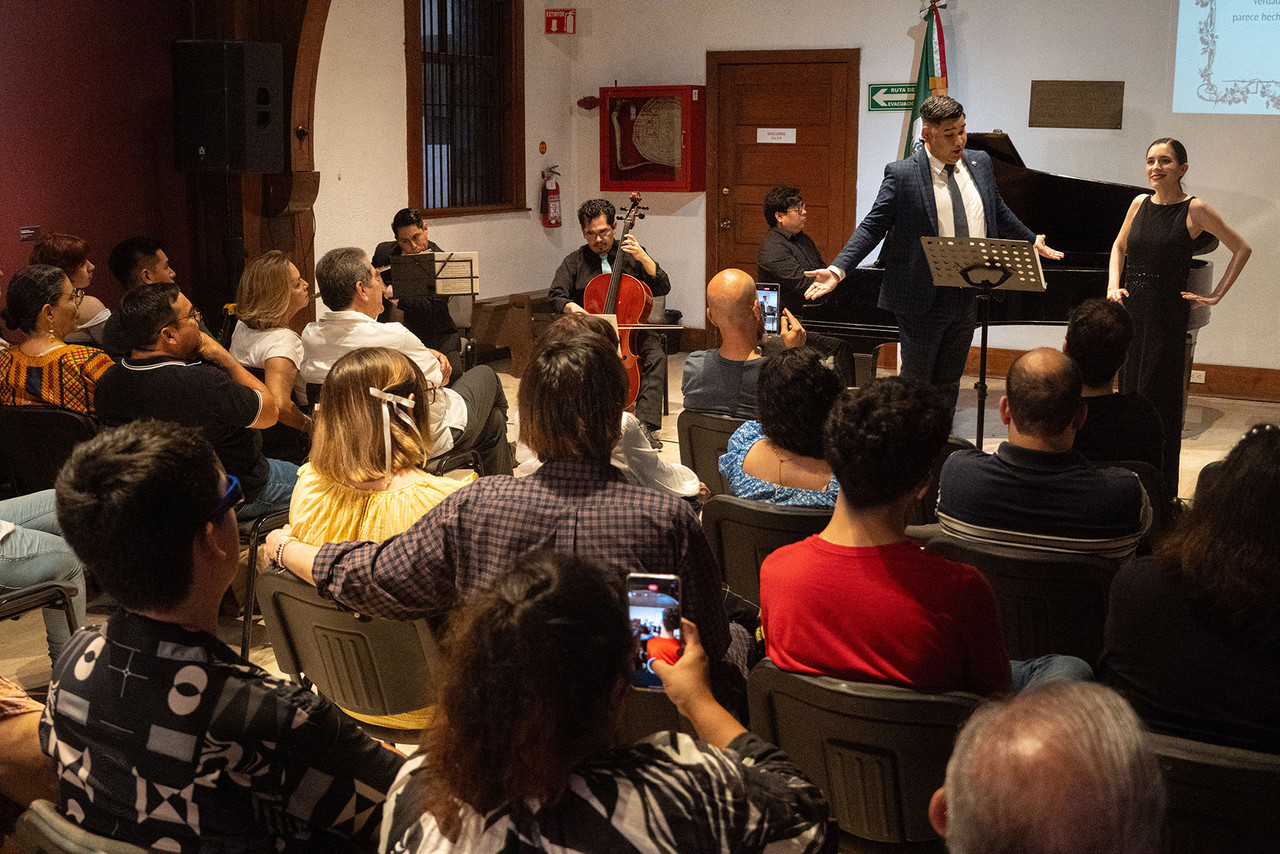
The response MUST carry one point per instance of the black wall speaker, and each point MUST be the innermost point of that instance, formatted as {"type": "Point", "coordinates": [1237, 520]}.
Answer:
{"type": "Point", "coordinates": [228, 106]}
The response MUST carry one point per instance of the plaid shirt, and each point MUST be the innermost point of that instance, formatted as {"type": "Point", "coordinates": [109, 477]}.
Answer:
{"type": "Point", "coordinates": [470, 539]}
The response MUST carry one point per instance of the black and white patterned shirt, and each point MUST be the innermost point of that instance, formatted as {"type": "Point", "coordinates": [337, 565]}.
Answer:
{"type": "Point", "coordinates": [167, 739]}
{"type": "Point", "coordinates": [665, 793]}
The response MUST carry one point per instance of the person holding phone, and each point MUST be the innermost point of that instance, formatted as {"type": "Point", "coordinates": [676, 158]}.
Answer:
{"type": "Point", "coordinates": [723, 381]}
{"type": "Point", "coordinates": [552, 637]}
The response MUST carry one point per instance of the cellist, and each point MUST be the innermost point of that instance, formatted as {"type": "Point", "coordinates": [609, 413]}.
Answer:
{"type": "Point", "coordinates": [599, 255]}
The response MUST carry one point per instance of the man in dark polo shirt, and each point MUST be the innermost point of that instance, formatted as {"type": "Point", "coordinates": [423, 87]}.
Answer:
{"type": "Point", "coordinates": [176, 373]}
{"type": "Point", "coordinates": [1036, 490]}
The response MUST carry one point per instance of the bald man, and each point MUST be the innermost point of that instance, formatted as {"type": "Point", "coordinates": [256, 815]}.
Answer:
{"type": "Point", "coordinates": [1061, 769]}
{"type": "Point", "coordinates": [723, 381]}
{"type": "Point", "coordinates": [1036, 489]}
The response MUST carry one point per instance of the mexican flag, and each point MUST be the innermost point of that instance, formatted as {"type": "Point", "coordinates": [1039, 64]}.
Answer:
{"type": "Point", "coordinates": [931, 79]}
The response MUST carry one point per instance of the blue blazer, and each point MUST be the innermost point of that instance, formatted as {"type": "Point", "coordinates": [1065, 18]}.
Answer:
{"type": "Point", "coordinates": [905, 211]}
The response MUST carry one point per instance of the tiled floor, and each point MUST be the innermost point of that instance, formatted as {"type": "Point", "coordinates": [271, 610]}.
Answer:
{"type": "Point", "coordinates": [1214, 425]}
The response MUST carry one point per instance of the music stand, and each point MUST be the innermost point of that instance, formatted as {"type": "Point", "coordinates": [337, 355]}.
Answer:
{"type": "Point", "coordinates": [435, 274]}
{"type": "Point", "coordinates": [985, 264]}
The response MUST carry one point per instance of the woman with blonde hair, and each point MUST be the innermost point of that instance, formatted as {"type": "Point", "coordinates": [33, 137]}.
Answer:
{"type": "Point", "coordinates": [271, 292]}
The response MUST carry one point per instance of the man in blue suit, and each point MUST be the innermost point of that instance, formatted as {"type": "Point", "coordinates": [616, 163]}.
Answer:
{"type": "Point", "coordinates": [942, 190]}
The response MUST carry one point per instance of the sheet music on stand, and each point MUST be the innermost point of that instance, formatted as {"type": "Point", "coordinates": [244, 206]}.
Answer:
{"type": "Point", "coordinates": [950, 258]}
{"type": "Point", "coordinates": [985, 265]}
{"type": "Point", "coordinates": [436, 273]}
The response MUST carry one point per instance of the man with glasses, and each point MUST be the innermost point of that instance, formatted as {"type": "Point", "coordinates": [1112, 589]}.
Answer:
{"type": "Point", "coordinates": [161, 735]}
{"type": "Point", "coordinates": [785, 253]}
{"type": "Point", "coordinates": [174, 372]}
{"type": "Point", "coordinates": [599, 255]}
{"type": "Point", "coordinates": [469, 415]}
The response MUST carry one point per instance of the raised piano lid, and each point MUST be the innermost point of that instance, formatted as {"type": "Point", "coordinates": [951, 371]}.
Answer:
{"type": "Point", "coordinates": [1079, 216]}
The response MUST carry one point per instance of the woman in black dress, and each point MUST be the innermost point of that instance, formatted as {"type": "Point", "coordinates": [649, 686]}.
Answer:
{"type": "Point", "coordinates": [1154, 250]}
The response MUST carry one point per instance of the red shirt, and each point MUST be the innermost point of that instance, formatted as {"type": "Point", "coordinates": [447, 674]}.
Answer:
{"type": "Point", "coordinates": [893, 614]}
{"type": "Point", "coordinates": [663, 649]}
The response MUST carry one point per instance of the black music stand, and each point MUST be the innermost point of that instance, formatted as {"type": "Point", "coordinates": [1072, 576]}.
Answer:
{"type": "Point", "coordinates": [985, 264]}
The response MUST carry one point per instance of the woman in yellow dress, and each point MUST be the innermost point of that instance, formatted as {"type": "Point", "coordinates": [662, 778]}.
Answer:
{"type": "Point", "coordinates": [372, 429]}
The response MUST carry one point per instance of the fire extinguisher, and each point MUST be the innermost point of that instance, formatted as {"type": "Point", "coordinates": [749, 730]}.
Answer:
{"type": "Point", "coordinates": [549, 199]}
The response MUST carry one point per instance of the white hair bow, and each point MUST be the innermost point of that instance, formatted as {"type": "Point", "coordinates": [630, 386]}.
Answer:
{"type": "Point", "coordinates": [394, 402]}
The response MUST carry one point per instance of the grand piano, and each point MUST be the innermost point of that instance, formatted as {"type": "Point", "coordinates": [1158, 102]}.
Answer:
{"type": "Point", "coordinates": [1078, 216]}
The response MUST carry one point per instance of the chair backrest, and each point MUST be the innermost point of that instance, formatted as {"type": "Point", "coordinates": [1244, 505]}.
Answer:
{"type": "Point", "coordinates": [1221, 799]}
{"type": "Point", "coordinates": [925, 510]}
{"type": "Point", "coordinates": [36, 440]}
{"type": "Point", "coordinates": [878, 752]}
{"type": "Point", "coordinates": [369, 666]}
{"type": "Point", "coordinates": [1163, 509]}
{"type": "Point", "coordinates": [703, 437]}
{"type": "Point", "coordinates": [41, 829]}
{"type": "Point", "coordinates": [280, 441]}
{"type": "Point", "coordinates": [228, 326]}
{"type": "Point", "coordinates": [743, 533]}
{"type": "Point", "coordinates": [1050, 602]}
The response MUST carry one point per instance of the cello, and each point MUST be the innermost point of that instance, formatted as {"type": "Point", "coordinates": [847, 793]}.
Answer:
{"type": "Point", "coordinates": [624, 297]}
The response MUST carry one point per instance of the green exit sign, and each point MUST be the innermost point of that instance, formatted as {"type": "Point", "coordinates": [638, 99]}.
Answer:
{"type": "Point", "coordinates": [882, 97]}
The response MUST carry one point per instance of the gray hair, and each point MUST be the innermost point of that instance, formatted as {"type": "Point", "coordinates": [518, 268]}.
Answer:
{"type": "Point", "coordinates": [338, 273]}
{"type": "Point", "coordinates": [1055, 770]}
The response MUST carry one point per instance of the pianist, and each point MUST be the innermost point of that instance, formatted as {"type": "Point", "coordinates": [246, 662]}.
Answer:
{"type": "Point", "coordinates": [942, 190]}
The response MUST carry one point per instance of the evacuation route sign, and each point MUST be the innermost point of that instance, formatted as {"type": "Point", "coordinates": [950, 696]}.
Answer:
{"type": "Point", "coordinates": [890, 96]}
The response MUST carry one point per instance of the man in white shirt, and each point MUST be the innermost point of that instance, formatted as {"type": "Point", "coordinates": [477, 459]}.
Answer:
{"type": "Point", "coordinates": [472, 415]}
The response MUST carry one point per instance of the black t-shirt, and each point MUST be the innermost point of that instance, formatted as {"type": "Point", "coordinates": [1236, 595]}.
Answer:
{"type": "Point", "coordinates": [1121, 427]}
{"type": "Point", "coordinates": [194, 394]}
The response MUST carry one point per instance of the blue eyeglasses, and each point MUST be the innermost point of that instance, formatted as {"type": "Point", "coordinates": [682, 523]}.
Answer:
{"type": "Point", "coordinates": [232, 499]}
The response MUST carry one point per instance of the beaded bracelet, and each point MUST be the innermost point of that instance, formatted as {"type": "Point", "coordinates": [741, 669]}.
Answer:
{"type": "Point", "coordinates": [280, 549]}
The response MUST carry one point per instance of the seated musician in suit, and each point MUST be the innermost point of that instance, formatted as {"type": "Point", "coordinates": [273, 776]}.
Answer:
{"type": "Point", "coordinates": [599, 255]}
{"type": "Point", "coordinates": [1036, 490]}
{"type": "Point", "coordinates": [1120, 426]}
{"type": "Point", "coordinates": [723, 381]}
{"type": "Point", "coordinates": [428, 316]}
{"type": "Point", "coordinates": [785, 253]}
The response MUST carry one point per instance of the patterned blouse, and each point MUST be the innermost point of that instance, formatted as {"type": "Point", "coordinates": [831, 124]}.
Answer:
{"type": "Point", "coordinates": [65, 376]}
{"type": "Point", "coordinates": [665, 793]}
{"type": "Point", "coordinates": [744, 485]}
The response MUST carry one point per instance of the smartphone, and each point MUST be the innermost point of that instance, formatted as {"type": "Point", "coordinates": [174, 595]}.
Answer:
{"type": "Point", "coordinates": [769, 309]}
{"type": "Point", "coordinates": [653, 605]}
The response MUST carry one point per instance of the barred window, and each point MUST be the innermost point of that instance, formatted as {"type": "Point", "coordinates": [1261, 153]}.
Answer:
{"type": "Point", "coordinates": [465, 61]}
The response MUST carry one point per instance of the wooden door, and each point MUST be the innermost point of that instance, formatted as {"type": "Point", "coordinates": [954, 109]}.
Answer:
{"type": "Point", "coordinates": [811, 96]}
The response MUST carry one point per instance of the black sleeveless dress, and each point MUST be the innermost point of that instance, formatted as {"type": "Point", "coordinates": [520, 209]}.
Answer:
{"type": "Point", "coordinates": [1157, 265]}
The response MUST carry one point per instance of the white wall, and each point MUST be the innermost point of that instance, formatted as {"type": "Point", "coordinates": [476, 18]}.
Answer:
{"type": "Point", "coordinates": [994, 50]}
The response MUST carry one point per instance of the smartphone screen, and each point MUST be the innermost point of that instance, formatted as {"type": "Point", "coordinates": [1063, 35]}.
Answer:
{"type": "Point", "coordinates": [769, 310]}
{"type": "Point", "coordinates": [653, 605]}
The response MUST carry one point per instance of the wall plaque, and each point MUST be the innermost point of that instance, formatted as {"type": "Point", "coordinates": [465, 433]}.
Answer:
{"type": "Point", "coordinates": [1077, 104]}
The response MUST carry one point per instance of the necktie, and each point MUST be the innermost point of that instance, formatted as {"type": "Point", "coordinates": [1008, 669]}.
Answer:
{"type": "Point", "coordinates": [958, 218]}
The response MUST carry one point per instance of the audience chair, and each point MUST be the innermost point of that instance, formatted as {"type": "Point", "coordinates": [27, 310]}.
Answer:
{"type": "Point", "coordinates": [228, 326]}
{"type": "Point", "coordinates": [41, 829]}
{"type": "Point", "coordinates": [743, 533]}
{"type": "Point", "coordinates": [37, 441]}
{"type": "Point", "coordinates": [368, 665]}
{"type": "Point", "coordinates": [645, 712]}
{"type": "Point", "coordinates": [703, 437]}
{"type": "Point", "coordinates": [43, 595]}
{"type": "Point", "coordinates": [1050, 602]}
{"type": "Point", "coordinates": [280, 441]}
{"type": "Point", "coordinates": [1221, 799]}
{"type": "Point", "coordinates": [252, 533]}
{"type": "Point", "coordinates": [878, 752]}
{"type": "Point", "coordinates": [925, 511]}
{"type": "Point", "coordinates": [1208, 473]}
{"type": "Point", "coordinates": [1165, 509]}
